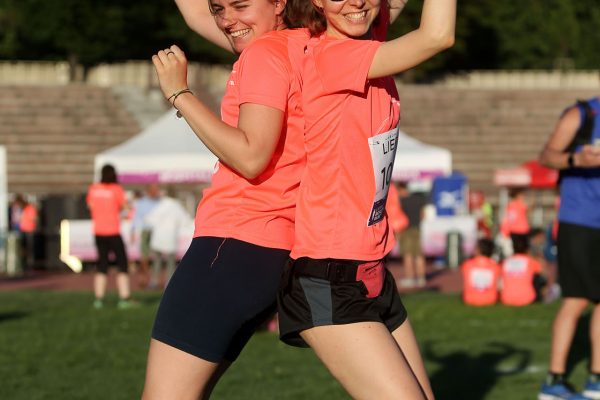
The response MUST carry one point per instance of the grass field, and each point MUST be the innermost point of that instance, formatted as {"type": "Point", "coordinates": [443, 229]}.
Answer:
{"type": "Point", "coordinates": [53, 345]}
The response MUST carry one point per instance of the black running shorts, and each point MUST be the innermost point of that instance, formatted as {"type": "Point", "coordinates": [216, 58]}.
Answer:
{"type": "Point", "coordinates": [579, 261]}
{"type": "Point", "coordinates": [306, 300]}
{"type": "Point", "coordinates": [221, 292]}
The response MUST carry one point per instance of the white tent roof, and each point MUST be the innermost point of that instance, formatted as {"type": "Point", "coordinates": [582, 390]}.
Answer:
{"type": "Point", "coordinates": [168, 151]}
{"type": "Point", "coordinates": [416, 160]}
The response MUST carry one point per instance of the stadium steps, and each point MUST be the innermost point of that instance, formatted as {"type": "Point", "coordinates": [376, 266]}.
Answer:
{"type": "Point", "coordinates": [484, 129]}
{"type": "Point", "coordinates": [52, 134]}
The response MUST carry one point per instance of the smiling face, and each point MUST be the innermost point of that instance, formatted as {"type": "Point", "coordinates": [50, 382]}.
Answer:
{"type": "Point", "coordinates": [349, 18]}
{"type": "Point", "coordinates": [242, 21]}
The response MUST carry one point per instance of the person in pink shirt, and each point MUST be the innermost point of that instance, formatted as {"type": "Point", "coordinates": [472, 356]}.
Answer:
{"type": "Point", "coordinates": [521, 276]}
{"type": "Point", "coordinates": [226, 284]}
{"type": "Point", "coordinates": [481, 275]}
{"type": "Point", "coordinates": [336, 295]}
{"type": "Point", "coordinates": [24, 221]}
{"type": "Point", "coordinates": [515, 223]}
{"type": "Point", "coordinates": [106, 200]}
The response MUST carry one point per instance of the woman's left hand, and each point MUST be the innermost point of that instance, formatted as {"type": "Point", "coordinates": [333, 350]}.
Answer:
{"type": "Point", "coordinates": [171, 68]}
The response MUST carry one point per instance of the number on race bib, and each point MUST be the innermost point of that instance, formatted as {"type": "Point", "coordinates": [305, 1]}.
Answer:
{"type": "Point", "coordinates": [383, 152]}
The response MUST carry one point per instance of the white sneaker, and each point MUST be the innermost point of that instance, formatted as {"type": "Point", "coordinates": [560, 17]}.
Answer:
{"type": "Point", "coordinates": [407, 283]}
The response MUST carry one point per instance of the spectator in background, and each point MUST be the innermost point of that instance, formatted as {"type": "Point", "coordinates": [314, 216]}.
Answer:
{"type": "Point", "coordinates": [483, 212]}
{"type": "Point", "coordinates": [28, 226]}
{"type": "Point", "coordinates": [396, 217]}
{"type": "Point", "coordinates": [480, 276]}
{"type": "Point", "coordinates": [141, 232]}
{"type": "Point", "coordinates": [168, 220]}
{"type": "Point", "coordinates": [23, 222]}
{"type": "Point", "coordinates": [515, 223]}
{"type": "Point", "coordinates": [574, 148]}
{"type": "Point", "coordinates": [522, 279]}
{"type": "Point", "coordinates": [410, 240]}
{"type": "Point", "coordinates": [14, 213]}
{"type": "Point", "coordinates": [105, 200]}
{"type": "Point", "coordinates": [550, 256]}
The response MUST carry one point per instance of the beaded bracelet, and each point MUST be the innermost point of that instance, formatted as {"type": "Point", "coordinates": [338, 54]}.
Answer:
{"type": "Point", "coordinates": [174, 97]}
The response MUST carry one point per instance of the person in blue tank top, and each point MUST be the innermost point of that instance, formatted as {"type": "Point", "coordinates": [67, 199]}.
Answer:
{"type": "Point", "coordinates": [578, 244]}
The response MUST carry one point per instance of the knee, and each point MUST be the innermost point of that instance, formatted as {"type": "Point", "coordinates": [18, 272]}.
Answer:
{"type": "Point", "coordinates": [574, 307]}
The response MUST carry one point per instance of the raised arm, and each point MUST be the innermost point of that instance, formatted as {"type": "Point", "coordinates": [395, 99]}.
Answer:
{"type": "Point", "coordinates": [555, 154]}
{"type": "Point", "coordinates": [396, 7]}
{"type": "Point", "coordinates": [247, 148]}
{"type": "Point", "coordinates": [435, 33]}
{"type": "Point", "coordinates": [198, 17]}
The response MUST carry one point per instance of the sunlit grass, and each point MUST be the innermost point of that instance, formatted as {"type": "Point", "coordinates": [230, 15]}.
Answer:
{"type": "Point", "coordinates": [53, 345]}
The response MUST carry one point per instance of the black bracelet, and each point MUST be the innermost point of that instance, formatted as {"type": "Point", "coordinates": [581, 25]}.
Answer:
{"type": "Point", "coordinates": [571, 160]}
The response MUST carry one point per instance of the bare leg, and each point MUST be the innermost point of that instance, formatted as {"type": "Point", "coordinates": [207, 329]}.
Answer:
{"type": "Point", "coordinates": [156, 267]}
{"type": "Point", "coordinates": [123, 285]}
{"type": "Point", "coordinates": [171, 264]}
{"type": "Point", "coordinates": [420, 269]}
{"type": "Point", "coordinates": [409, 266]}
{"type": "Point", "coordinates": [100, 285]}
{"type": "Point", "coordinates": [174, 374]}
{"type": "Point", "coordinates": [366, 360]}
{"type": "Point", "coordinates": [563, 330]}
{"type": "Point", "coordinates": [405, 338]}
{"type": "Point", "coordinates": [595, 340]}
{"type": "Point", "coordinates": [144, 274]}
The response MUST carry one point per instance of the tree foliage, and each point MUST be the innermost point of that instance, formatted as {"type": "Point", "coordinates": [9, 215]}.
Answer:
{"type": "Point", "coordinates": [515, 34]}
{"type": "Point", "coordinates": [96, 31]}
{"type": "Point", "coordinates": [491, 34]}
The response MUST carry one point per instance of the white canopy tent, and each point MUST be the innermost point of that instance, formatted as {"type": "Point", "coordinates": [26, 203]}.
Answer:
{"type": "Point", "coordinates": [168, 151]}
{"type": "Point", "coordinates": [416, 160]}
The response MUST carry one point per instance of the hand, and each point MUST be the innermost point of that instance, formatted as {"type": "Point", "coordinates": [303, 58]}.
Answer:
{"type": "Point", "coordinates": [589, 157]}
{"type": "Point", "coordinates": [171, 68]}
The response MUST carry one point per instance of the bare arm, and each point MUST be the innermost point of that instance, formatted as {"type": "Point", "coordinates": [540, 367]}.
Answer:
{"type": "Point", "coordinates": [396, 7]}
{"type": "Point", "coordinates": [436, 33]}
{"type": "Point", "coordinates": [247, 148]}
{"type": "Point", "coordinates": [200, 20]}
{"type": "Point", "coordinates": [554, 154]}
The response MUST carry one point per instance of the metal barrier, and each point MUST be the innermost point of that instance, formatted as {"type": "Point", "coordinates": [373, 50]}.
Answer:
{"type": "Point", "coordinates": [454, 249]}
{"type": "Point", "coordinates": [13, 254]}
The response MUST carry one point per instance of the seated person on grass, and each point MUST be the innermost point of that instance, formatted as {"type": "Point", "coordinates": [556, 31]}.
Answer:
{"type": "Point", "coordinates": [522, 279]}
{"type": "Point", "coordinates": [480, 276]}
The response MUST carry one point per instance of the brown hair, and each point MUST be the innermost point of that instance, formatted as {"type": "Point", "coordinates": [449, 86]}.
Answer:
{"type": "Point", "coordinates": [293, 10]}
{"type": "Point", "coordinates": [304, 13]}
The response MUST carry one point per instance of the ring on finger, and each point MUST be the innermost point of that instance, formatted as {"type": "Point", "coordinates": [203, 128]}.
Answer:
{"type": "Point", "coordinates": [170, 52]}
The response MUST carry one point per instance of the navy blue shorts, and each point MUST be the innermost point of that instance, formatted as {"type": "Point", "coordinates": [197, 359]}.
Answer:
{"type": "Point", "coordinates": [309, 297]}
{"type": "Point", "coordinates": [221, 292]}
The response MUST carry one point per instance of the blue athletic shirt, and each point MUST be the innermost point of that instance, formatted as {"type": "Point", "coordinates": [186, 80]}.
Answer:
{"type": "Point", "coordinates": [580, 187]}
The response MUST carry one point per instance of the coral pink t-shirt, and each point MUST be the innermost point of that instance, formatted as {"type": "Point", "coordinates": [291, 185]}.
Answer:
{"type": "Point", "coordinates": [396, 216]}
{"type": "Point", "coordinates": [515, 218]}
{"type": "Point", "coordinates": [105, 201]}
{"type": "Point", "coordinates": [28, 219]}
{"type": "Point", "coordinates": [350, 140]}
{"type": "Point", "coordinates": [480, 281]}
{"type": "Point", "coordinates": [517, 280]}
{"type": "Point", "coordinates": [261, 210]}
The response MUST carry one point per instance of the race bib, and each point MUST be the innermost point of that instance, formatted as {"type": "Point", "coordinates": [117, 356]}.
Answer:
{"type": "Point", "coordinates": [383, 152]}
{"type": "Point", "coordinates": [515, 266]}
{"type": "Point", "coordinates": [482, 279]}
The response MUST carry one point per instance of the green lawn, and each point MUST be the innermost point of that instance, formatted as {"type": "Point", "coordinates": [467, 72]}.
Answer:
{"type": "Point", "coordinates": [53, 345]}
